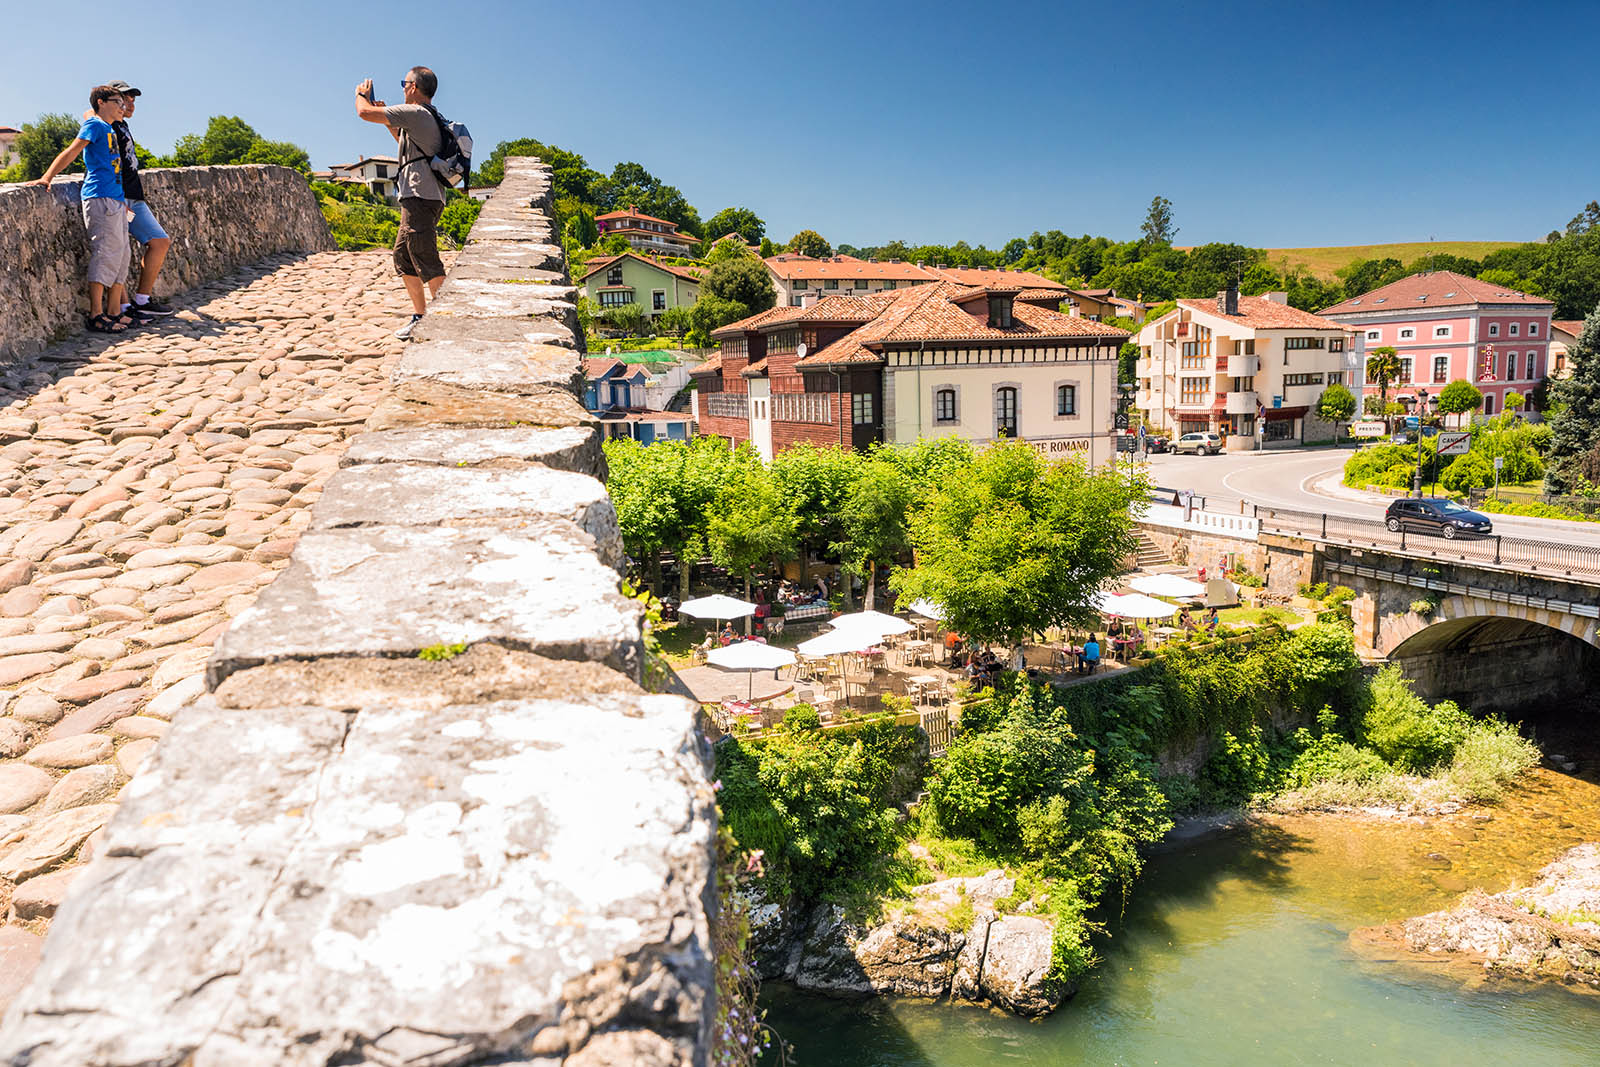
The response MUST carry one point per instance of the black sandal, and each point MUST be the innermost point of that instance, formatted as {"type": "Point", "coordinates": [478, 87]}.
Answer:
{"type": "Point", "coordinates": [105, 324]}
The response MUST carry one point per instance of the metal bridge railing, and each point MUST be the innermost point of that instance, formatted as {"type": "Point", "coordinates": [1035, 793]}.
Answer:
{"type": "Point", "coordinates": [1550, 559]}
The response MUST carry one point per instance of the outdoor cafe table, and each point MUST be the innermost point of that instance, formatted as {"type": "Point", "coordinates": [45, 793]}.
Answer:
{"type": "Point", "coordinates": [921, 682]}
{"type": "Point", "coordinates": [913, 650]}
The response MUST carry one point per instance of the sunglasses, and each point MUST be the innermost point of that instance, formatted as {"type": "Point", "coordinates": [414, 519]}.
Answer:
{"type": "Point", "coordinates": [407, 85]}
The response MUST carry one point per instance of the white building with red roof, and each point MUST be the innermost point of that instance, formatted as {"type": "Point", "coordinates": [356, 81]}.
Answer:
{"type": "Point", "coordinates": [8, 146]}
{"type": "Point", "coordinates": [1250, 368]}
{"type": "Point", "coordinates": [646, 232]}
{"type": "Point", "coordinates": [941, 359]}
{"type": "Point", "coordinates": [1448, 327]}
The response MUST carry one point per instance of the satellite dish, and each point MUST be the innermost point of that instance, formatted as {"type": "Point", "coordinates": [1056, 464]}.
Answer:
{"type": "Point", "coordinates": [800, 350]}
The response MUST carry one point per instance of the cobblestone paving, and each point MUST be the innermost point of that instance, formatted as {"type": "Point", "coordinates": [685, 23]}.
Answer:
{"type": "Point", "coordinates": [150, 485]}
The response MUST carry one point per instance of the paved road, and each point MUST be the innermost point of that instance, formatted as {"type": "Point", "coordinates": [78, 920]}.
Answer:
{"type": "Point", "coordinates": [1285, 479]}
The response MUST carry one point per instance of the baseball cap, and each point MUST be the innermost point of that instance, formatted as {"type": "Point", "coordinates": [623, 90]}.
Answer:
{"type": "Point", "coordinates": [124, 88]}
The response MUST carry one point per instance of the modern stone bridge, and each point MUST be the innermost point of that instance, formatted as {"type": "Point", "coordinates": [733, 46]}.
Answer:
{"type": "Point", "coordinates": [243, 818]}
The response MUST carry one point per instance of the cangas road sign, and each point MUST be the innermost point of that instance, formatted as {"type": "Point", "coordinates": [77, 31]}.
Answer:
{"type": "Point", "coordinates": [1454, 443]}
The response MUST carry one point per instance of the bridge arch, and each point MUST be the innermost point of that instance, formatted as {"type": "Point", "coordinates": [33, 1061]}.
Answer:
{"type": "Point", "coordinates": [1495, 657]}
{"type": "Point", "coordinates": [1459, 620]}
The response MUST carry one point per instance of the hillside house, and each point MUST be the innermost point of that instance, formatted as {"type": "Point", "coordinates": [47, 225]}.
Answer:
{"type": "Point", "coordinates": [630, 278]}
{"type": "Point", "coordinates": [1563, 341]}
{"type": "Point", "coordinates": [8, 146]}
{"type": "Point", "coordinates": [1248, 367]}
{"type": "Point", "coordinates": [938, 359]}
{"type": "Point", "coordinates": [646, 233]}
{"type": "Point", "coordinates": [1447, 326]}
{"type": "Point", "coordinates": [618, 394]}
{"type": "Point", "coordinates": [381, 174]}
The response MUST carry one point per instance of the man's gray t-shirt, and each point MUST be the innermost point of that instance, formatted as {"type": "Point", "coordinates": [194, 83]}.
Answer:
{"type": "Point", "coordinates": [419, 142]}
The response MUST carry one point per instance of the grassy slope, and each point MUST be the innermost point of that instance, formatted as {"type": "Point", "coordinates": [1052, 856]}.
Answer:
{"type": "Point", "coordinates": [1323, 262]}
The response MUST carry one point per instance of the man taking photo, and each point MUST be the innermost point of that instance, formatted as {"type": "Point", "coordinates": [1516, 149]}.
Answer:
{"type": "Point", "coordinates": [416, 129]}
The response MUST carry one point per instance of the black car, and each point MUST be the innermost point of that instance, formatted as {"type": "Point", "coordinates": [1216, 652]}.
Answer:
{"type": "Point", "coordinates": [1154, 443]}
{"type": "Point", "coordinates": [1437, 515]}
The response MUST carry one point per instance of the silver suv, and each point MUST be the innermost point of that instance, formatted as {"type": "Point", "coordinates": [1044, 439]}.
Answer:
{"type": "Point", "coordinates": [1204, 442]}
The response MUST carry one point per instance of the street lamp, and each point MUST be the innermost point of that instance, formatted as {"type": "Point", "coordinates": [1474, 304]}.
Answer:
{"type": "Point", "coordinates": [1422, 411]}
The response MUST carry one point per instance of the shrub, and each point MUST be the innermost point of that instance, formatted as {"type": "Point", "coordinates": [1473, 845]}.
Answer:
{"type": "Point", "coordinates": [1237, 766]}
{"type": "Point", "coordinates": [1471, 471]}
{"type": "Point", "coordinates": [1340, 594]}
{"type": "Point", "coordinates": [1404, 730]}
{"type": "Point", "coordinates": [1313, 592]}
{"type": "Point", "coordinates": [1490, 755]}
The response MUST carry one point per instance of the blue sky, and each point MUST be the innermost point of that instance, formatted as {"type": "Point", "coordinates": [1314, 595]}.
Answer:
{"type": "Point", "coordinates": [1272, 124]}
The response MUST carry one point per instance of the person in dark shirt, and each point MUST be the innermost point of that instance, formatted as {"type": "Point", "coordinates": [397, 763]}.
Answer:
{"type": "Point", "coordinates": [143, 227]}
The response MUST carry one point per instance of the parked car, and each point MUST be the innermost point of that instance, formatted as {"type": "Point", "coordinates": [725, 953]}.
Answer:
{"type": "Point", "coordinates": [1203, 442]}
{"type": "Point", "coordinates": [1154, 444]}
{"type": "Point", "coordinates": [1437, 515]}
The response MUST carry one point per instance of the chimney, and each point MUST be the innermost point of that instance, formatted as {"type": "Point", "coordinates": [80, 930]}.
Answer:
{"type": "Point", "coordinates": [1277, 297]}
{"type": "Point", "coordinates": [1228, 301]}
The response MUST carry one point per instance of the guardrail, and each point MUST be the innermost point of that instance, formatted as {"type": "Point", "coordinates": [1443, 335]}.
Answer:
{"type": "Point", "coordinates": [1549, 559]}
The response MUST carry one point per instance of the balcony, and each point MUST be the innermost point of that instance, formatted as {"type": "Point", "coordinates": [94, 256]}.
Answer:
{"type": "Point", "coordinates": [1241, 403]}
{"type": "Point", "coordinates": [1244, 366]}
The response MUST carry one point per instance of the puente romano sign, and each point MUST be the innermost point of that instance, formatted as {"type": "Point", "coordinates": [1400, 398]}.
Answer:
{"type": "Point", "coordinates": [1059, 447]}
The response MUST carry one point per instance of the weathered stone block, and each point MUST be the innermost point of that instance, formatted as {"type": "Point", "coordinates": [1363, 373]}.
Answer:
{"type": "Point", "coordinates": [393, 591]}
{"type": "Point", "coordinates": [508, 367]}
{"type": "Point", "coordinates": [413, 494]}
{"type": "Point", "coordinates": [418, 404]}
{"type": "Point", "coordinates": [574, 448]}
{"type": "Point", "coordinates": [536, 875]}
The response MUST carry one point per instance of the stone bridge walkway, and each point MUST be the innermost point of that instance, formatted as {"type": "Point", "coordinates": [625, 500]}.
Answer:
{"type": "Point", "coordinates": [150, 485]}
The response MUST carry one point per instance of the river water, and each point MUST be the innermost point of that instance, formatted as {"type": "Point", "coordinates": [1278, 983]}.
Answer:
{"type": "Point", "coordinates": [1235, 950]}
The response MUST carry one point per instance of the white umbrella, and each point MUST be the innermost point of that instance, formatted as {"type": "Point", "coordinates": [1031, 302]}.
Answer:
{"type": "Point", "coordinates": [1134, 606]}
{"type": "Point", "coordinates": [1168, 585]}
{"type": "Point", "coordinates": [872, 622]}
{"type": "Point", "coordinates": [717, 606]}
{"type": "Point", "coordinates": [837, 642]}
{"type": "Point", "coordinates": [928, 610]}
{"type": "Point", "coordinates": [750, 656]}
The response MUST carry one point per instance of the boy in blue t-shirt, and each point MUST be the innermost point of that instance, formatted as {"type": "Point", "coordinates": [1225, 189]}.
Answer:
{"type": "Point", "coordinates": [104, 208]}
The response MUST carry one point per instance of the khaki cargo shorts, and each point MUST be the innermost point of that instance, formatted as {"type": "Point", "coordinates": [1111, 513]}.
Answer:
{"type": "Point", "coordinates": [107, 222]}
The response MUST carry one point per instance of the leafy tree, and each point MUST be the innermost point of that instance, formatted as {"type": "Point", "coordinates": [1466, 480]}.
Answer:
{"type": "Point", "coordinates": [40, 141]}
{"type": "Point", "coordinates": [1019, 544]}
{"type": "Point", "coordinates": [1383, 367]}
{"type": "Point", "coordinates": [750, 528]}
{"type": "Point", "coordinates": [1336, 405]}
{"type": "Point", "coordinates": [278, 153]}
{"type": "Point", "coordinates": [662, 493]}
{"type": "Point", "coordinates": [810, 243]}
{"type": "Point", "coordinates": [457, 218]}
{"type": "Point", "coordinates": [725, 250]}
{"type": "Point", "coordinates": [1157, 228]}
{"type": "Point", "coordinates": [630, 319]}
{"type": "Point", "coordinates": [743, 280]}
{"type": "Point", "coordinates": [708, 313]}
{"type": "Point", "coordinates": [874, 520]}
{"type": "Point", "coordinates": [1459, 397]}
{"type": "Point", "coordinates": [815, 483]}
{"type": "Point", "coordinates": [580, 228]}
{"type": "Point", "coordinates": [675, 321]}
{"type": "Point", "coordinates": [1515, 401]}
{"type": "Point", "coordinates": [768, 248]}
{"type": "Point", "coordinates": [630, 185]}
{"type": "Point", "coordinates": [1365, 275]}
{"type": "Point", "coordinates": [228, 139]}
{"type": "Point", "coordinates": [571, 178]}
{"type": "Point", "coordinates": [1574, 456]}
{"type": "Point", "coordinates": [740, 220]}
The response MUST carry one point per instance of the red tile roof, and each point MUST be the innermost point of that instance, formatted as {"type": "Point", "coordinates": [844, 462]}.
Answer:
{"type": "Point", "coordinates": [1439, 288]}
{"type": "Point", "coordinates": [712, 363]}
{"type": "Point", "coordinates": [928, 313]}
{"type": "Point", "coordinates": [792, 267]}
{"type": "Point", "coordinates": [632, 213]}
{"type": "Point", "coordinates": [600, 263]}
{"type": "Point", "coordinates": [1571, 326]}
{"type": "Point", "coordinates": [1259, 313]}
{"type": "Point", "coordinates": [1017, 279]}
{"type": "Point", "coordinates": [600, 366]}
{"type": "Point", "coordinates": [756, 369]}
{"type": "Point", "coordinates": [753, 322]}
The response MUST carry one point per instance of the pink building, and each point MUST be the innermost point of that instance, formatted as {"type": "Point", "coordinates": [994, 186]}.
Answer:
{"type": "Point", "coordinates": [1446, 327]}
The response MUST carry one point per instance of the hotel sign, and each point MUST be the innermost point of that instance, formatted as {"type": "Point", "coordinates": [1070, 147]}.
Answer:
{"type": "Point", "coordinates": [1059, 447]}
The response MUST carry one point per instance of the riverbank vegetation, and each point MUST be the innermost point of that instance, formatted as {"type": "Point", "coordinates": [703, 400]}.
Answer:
{"type": "Point", "coordinates": [1065, 787]}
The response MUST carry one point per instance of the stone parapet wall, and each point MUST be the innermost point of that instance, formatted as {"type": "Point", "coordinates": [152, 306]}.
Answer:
{"type": "Point", "coordinates": [219, 218]}
{"type": "Point", "coordinates": [363, 845]}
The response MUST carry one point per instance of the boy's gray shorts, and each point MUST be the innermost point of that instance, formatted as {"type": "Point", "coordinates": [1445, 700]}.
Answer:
{"type": "Point", "coordinates": [107, 222]}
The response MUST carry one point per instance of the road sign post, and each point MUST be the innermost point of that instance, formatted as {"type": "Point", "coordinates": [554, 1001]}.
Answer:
{"type": "Point", "coordinates": [1367, 429]}
{"type": "Point", "coordinates": [1454, 442]}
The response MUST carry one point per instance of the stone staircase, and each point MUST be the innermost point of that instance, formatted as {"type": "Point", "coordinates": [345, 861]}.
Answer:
{"type": "Point", "coordinates": [1151, 554]}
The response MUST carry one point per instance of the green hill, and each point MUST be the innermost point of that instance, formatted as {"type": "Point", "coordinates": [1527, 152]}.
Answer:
{"type": "Point", "coordinates": [1324, 262]}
